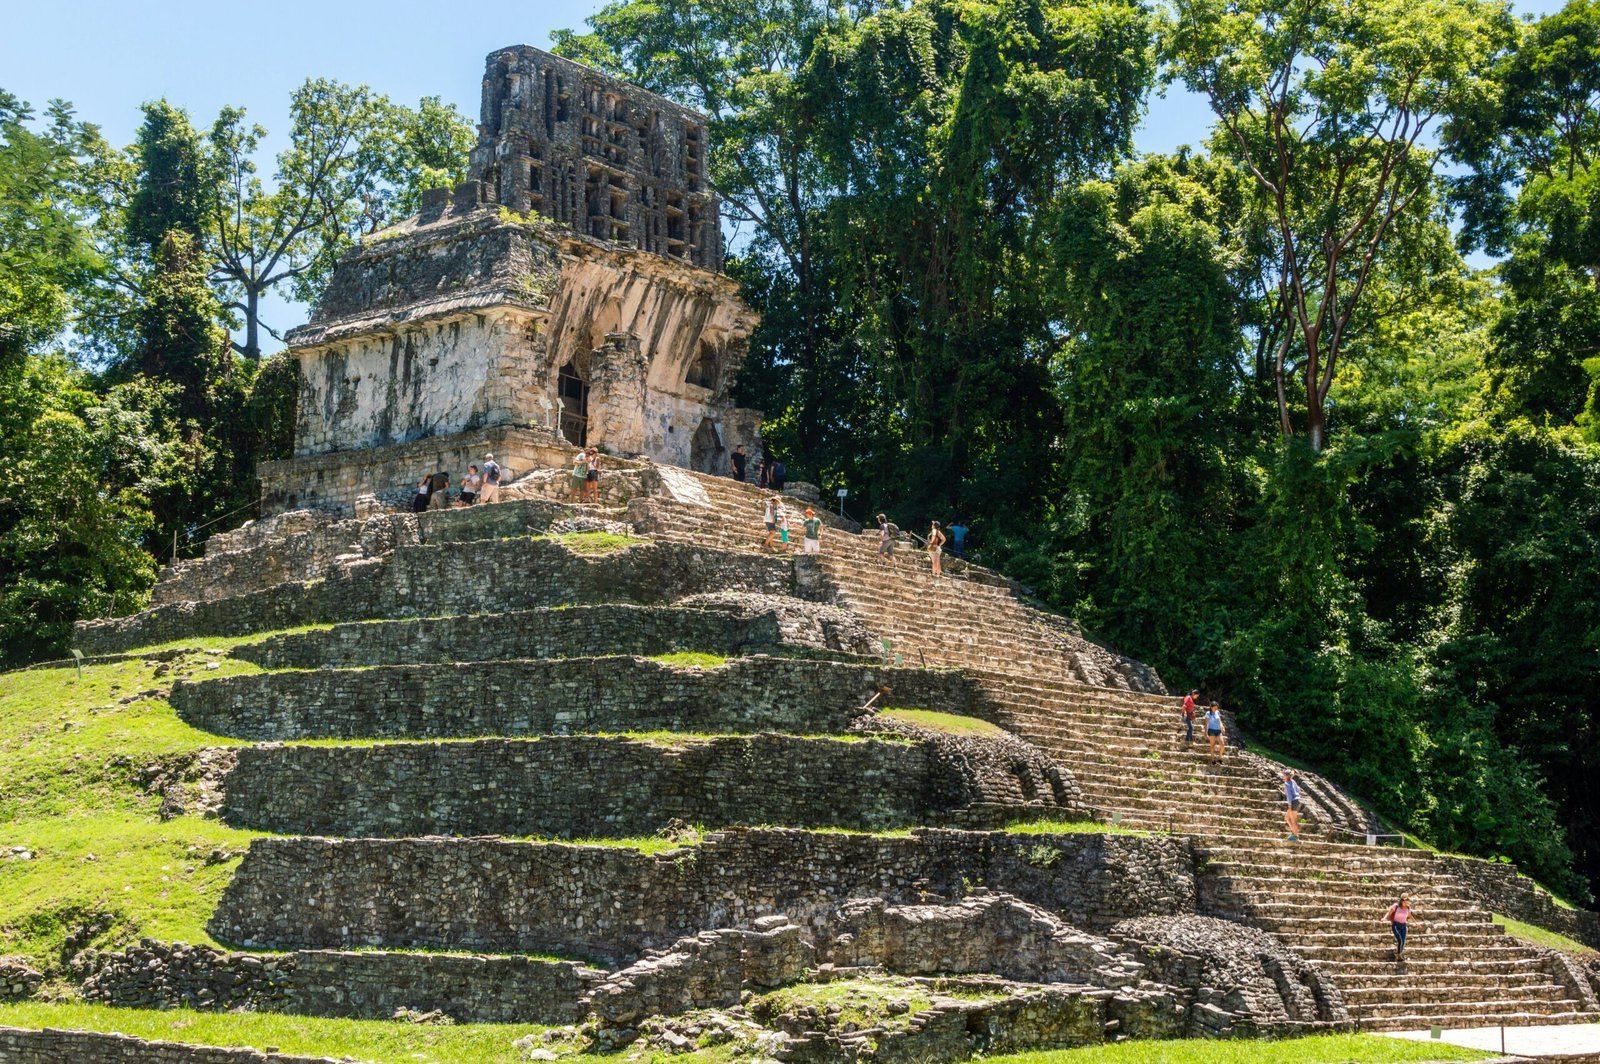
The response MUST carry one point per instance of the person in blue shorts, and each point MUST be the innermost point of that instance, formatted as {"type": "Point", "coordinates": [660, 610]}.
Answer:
{"type": "Point", "coordinates": [1216, 734]}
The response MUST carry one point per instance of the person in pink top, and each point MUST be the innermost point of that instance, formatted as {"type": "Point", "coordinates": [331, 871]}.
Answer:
{"type": "Point", "coordinates": [1399, 917]}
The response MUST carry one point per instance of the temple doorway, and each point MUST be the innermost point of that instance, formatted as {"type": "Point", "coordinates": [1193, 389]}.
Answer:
{"type": "Point", "coordinates": [574, 392]}
{"type": "Point", "coordinates": [706, 452]}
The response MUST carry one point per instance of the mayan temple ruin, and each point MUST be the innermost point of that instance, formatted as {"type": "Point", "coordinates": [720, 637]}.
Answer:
{"type": "Point", "coordinates": [612, 768]}
{"type": "Point", "coordinates": [567, 293]}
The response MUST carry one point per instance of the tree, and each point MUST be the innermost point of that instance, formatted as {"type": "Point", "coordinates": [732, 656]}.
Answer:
{"type": "Point", "coordinates": [1327, 106]}
{"type": "Point", "coordinates": [348, 166]}
{"type": "Point", "coordinates": [1533, 191]}
{"type": "Point", "coordinates": [45, 249]}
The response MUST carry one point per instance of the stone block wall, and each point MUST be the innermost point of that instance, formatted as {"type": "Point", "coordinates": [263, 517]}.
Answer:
{"type": "Point", "coordinates": [1500, 888]}
{"type": "Point", "coordinates": [430, 580]}
{"type": "Point", "coordinates": [556, 697]}
{"type": "Point", "coordinates": [334, 481]}
{"type": "Point", "coordinates": [614, 902]}
{"type": "Point", "coordinates": [574, 632]}
{"type": "Point", "coordinates": [364, 986]}
{"type": "Point", "coordinates": [308, 544]}
{"type": "Point", "coordinates": [18, 1046]}
{"type": "Point", "coordinates": [591, 786]}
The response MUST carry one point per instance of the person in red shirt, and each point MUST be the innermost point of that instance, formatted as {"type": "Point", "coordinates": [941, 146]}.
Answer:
{"type": "Point", "coordinates": [1188, 716]}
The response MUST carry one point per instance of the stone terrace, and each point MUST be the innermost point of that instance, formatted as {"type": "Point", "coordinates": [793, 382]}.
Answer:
{"type": "Point", "coordinates": [444, 705]}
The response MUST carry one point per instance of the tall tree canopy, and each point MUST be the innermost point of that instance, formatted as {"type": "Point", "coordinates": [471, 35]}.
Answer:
{"type": "Point", "coordinates": [1327, 107]}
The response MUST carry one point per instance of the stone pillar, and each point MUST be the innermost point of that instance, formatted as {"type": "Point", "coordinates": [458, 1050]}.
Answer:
{"type": "Point", "coordinates": [617, 370]}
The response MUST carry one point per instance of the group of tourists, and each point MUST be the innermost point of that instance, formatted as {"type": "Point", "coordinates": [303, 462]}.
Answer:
{"type": "Point", "coordinates": [480, 485]}
{"type": "Point", "coordinates": [777, 518]}
{"type": "Point", "coordinates": [584, 481]}
{"type": "Point", "coordinates": [1216, 730]}
{"type": "Point", "coordinates": [935, 543]}
{"type": "Point", "coordinates": [771, 474]}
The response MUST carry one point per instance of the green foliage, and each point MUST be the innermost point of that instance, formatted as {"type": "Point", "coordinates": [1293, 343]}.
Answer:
{"type": "Point", "coordinates": [1326, 106]}
{"type": "Point", "coordinates": [1538, 936]}
{"type": "Point", "coordinates": [45, 250]}
{"type": "Point", "coordinates": [73, 469]}
{"type": "Point", "coordinates": [949, 723]}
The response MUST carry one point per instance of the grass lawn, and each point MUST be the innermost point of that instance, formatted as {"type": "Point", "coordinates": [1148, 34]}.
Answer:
{"type": "Point", "coordinates": [68, 745]}
{"type": "Point", "coordinates": [1538, 936]}
{"type": "Point", "coordinates": [386, 1042]}
{"type": "Point", "coordinates": [1070, 827]}
{"type": "Point", "coordinates": [122, 876]}
{"type": "Point", "coordinates": [1316, 1049]}
{"type": "Point", "coordinates": [949, 723]}
{"type": "Point", "coordinates": [375, 1041]}
{"type": "Point", "coordinates": [84, 854]}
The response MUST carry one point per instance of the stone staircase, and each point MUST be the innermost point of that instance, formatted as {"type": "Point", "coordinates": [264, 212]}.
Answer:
{"type": "Point", "coordinates": [1107, 719]}
{"type": "Point", "coordinates": [461, 764]}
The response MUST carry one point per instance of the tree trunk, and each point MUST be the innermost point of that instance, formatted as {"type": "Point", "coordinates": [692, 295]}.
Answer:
{"type": "Point", "coordinates": [252, 325]}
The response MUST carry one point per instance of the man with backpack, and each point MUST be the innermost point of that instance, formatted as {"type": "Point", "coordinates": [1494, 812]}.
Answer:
{"type": "Point", "coordinates": [491, 480]}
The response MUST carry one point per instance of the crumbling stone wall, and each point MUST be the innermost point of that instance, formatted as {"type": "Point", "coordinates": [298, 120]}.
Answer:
{"type": "Point", "coordinates": [556, 697]}
{"type": "Point", "coordinates": [614, 902]}
{"type": "Point", "coordinates": [365, 986]}
{"type": "Point", "coordinates": [1244, 976]}
{"type": "Point", "coordinates": [505, 575]}
{"type": "Point", "coordinates": [1499, 887]}
{"type": "Point", "coordinates": [308, 544]}
{"type": "Point", "coordinates": [596, 786]}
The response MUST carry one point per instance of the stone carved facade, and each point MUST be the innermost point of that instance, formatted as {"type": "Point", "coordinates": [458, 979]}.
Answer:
{"type": "Point", "coordinates": [568, 294]}
{"type": "Point", "coordinates": [596, 154]}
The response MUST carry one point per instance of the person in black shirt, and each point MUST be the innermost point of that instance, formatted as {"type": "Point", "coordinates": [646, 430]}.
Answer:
{"type": "Point", "coordinates": [738, 462]}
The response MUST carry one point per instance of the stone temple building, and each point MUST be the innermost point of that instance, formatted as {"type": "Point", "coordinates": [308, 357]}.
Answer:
{"type": "Point", "coordinates": [567, 293]}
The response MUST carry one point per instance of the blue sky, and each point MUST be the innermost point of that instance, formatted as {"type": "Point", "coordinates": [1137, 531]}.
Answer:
{"type": "Point", "coordinates": [108, 57]}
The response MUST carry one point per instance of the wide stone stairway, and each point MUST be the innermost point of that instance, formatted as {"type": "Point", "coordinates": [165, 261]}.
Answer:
{"type": "Point", "coordinates": [518, 762]}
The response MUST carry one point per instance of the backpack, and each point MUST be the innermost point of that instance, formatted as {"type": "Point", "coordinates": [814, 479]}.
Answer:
{"type": "Point", "coordinates": [778, 471]}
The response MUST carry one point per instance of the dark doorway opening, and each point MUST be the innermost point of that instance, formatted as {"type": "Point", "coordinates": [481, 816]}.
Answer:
{"type": "Point", "coordinates": [574, 392]}
{"type": "Point", "coordinates": [706, 452]}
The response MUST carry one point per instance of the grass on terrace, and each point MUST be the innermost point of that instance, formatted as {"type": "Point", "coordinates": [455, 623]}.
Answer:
{"type": "Point", "coordinates": [82, 845]}
{"type": "Point", "coordinates": [1538, 936]}
{"type": "Point", "coordinates": [595, 542]}
{"type": "Point", "coordinates": [949, 723]}
{"type": "Point", "coordinates": [691, 659]}
{"type": "Point", "coordinates": [374, 1041]}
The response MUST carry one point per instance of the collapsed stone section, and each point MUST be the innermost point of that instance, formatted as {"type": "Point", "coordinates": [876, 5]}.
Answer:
{"type": "Point", "coordinates": [983, 933]}
{"type": "Point", "coordinates": [1245, 972]}
{"type": "Point", "coordinates": [594, 786]}
{"type": "Point", "coordinates": [615, 902]}
{"type": "Point", "coordinates": [555, 697]}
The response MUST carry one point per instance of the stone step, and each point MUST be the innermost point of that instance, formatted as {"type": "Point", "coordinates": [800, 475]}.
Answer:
{"type": "Point", "coordinates": [1514, 1012]}
{"type": "Point", "coordinates": [363, 985]}
{"type": "Point", "coordinates": [1439, 992]}
{"type": "Point", "coordinates": [616, 787]}
{"type": "Point", "coordinates": [558, 697]}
